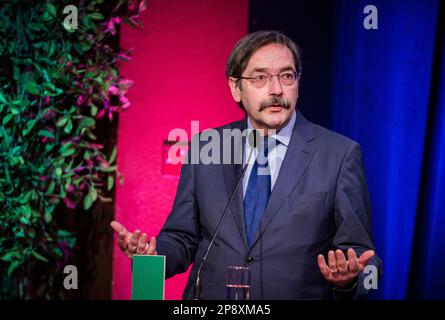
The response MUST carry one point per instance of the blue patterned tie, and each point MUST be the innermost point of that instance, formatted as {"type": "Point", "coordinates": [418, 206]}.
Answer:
{"type": "Point", "coordinates": [257, 193]}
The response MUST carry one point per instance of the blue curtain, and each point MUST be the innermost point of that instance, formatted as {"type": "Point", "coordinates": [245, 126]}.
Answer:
{"type": "Point", "coordinates": [389, 95]}
{"type": "Point", "coordinates": [427, 279]}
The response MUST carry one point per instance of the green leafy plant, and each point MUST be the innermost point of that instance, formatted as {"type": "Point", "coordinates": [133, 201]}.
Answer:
{"type": "Point", "coordinates": [56, 85]}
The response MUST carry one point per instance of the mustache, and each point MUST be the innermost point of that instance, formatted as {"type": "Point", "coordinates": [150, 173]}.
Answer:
{"type": "Point", "coordinates": [277, 100]}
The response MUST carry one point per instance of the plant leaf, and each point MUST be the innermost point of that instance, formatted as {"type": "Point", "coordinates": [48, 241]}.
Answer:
{"type": "Point", "coordinates": [51, 9]}
{"type": "Point", "coordinates": [113, 155]}
{"type": "Point", "coordinates": [96, 16]}
{"type": "Point", "coordinates": [87, 202]}
{"type": "Point", "coordinates": [12, 267]}
{"type": "Point", "coordinates": [7, 118]}
{"type": "Point", "coordinates": [46, 133]}
{"type": "Point", "coordinates": [110, 183]}
{"type": "Point", "coordinates": [39, 257]}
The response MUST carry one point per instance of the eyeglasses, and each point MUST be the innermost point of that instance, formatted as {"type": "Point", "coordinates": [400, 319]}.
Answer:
{"type": "Point", "coordinates": [287, 78]}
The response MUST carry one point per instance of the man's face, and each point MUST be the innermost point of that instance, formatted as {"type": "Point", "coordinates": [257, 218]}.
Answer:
{"type": "Point", "coordinates": [271, 106]}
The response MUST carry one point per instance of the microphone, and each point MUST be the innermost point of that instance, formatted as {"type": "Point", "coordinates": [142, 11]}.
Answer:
{"type": "Point", "coordinates": [254, 142]}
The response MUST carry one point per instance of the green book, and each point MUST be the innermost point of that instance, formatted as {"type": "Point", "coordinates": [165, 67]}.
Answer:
{"type": "Point", "coordinates": [148, 277]}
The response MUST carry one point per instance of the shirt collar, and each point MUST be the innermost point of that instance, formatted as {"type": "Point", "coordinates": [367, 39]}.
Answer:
{"type": "Point", "coordinates": [284, 135]}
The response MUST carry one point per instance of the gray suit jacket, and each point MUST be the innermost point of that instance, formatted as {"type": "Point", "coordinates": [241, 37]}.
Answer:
{"type": "Point", "coordinates": [319, 202]}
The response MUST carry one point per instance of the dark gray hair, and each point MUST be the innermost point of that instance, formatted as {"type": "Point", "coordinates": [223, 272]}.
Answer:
{"type": "Point", "coordinates": [245, 48]}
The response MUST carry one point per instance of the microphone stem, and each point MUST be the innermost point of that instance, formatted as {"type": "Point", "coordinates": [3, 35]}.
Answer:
{"type": "Point", "coordinates": [198, 279]}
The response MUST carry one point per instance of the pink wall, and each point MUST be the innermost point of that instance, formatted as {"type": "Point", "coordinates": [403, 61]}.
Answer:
{"type": "Point", "coordinates": [178, 67]}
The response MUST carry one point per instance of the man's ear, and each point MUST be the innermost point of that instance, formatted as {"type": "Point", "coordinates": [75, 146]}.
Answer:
{"type": "Point", "coordinates": [234, 89]}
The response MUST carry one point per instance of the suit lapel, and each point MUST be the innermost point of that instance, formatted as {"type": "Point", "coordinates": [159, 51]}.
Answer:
{"type": "Point", "coordinates": [298, 156]}
{"type": "Point", "coordinates": [232, 172]}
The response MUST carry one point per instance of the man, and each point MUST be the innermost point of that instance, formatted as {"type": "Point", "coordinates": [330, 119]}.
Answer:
{"type": "Point", "coordinates": [313, 202]}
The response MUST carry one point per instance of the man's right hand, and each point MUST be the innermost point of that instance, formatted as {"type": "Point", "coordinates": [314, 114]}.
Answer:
{"type": "Point", "coordinates": [134, 243]}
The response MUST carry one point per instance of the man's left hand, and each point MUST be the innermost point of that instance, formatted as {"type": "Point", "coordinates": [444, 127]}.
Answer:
{"type": "Point", "coordinates": [341, 272]}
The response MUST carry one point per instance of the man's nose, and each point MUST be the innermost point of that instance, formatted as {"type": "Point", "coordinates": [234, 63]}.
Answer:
{"type": "Point", "coordinates": [275, 87]}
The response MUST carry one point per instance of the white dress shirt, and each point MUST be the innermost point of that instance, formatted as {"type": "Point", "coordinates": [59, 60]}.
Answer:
{"type": "Point", "coordinates": [276, 155]}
